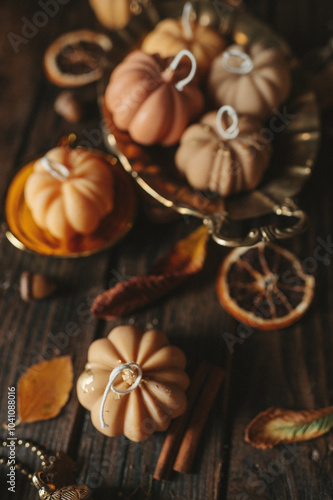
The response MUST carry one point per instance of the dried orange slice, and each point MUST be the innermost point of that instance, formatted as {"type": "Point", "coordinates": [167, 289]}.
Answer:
{"type": "Point", "coordinates": [264, 286]}
{"type": "Point", "coordinates": [76, 58]}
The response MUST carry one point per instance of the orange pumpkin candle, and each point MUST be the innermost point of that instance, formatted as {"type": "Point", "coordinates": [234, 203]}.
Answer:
{"type": "Point", "coordinates": [134, 383]}
{"type": "Point", "coordinates": [69, 192]}
{"type": "Point", "coordinates": [113, 14]}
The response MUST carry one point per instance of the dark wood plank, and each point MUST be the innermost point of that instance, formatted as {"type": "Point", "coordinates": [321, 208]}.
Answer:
{"type": "Point", "coordinates": [304, 24]}
{"type": "Point", "coordinates": [36, 331]}
{"type": "Point", "coordinates": [128, 467]}
{"type": "Point", "coordinates": [290, 369]}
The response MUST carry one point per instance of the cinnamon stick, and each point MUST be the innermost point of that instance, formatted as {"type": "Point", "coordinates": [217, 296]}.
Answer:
{"type": "Point", "coordinates": [173, 439]}
{"type": "Point", "coordinates": [190, 442]}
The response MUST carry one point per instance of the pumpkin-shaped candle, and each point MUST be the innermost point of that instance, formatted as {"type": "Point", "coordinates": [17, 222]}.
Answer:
{"type": "Point", "coordinates": [113, 14]}
{"type": "Point", "coordinates": [254, 80]}
{"type": "Point", "coordinates": [69, 192]}
{"type": "Point", "coordinates": [154, 98]}
{"type": "Point", "coordinates": [172, 35]}
{"type": "Point", "coordinates": [134, 383]}
{"type": "Point", "coordinates": [224, 157]}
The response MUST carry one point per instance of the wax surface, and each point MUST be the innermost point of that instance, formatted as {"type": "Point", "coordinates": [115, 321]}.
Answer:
{"type": "Point", "coordinates": [223, 166]}
{"type": "Point", "coordinates": [75, 204]}
{"type": "Point", "coordinates": [160, 395]}
{"type": "Point", "coordinates": [143, 98]}
{"type": "Point", "coordinates": [258, 92]}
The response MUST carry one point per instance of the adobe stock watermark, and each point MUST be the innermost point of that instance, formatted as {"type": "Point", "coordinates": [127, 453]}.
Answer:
{"type": "Point", "coordinates": [258, 482]}
{"type": "Point", "coordinates": [101, 469]}
{"type": "Point", "coordinates": [276, 125]}
{"type": "Point", "coordinates": [322, 254]}
{"type": "Point", "coordinates": [30, 27]}
{"type": "Point", "coordinates": [11, 439]}
{"type": "Point", "coordinates": [83, 310]}
{"type": "Point", "coordinates": [59, 341]}
{"type": "Point", "coordinates": [92, 138]}
{"type": "Point", "coordinates": [124, 107]}
{"type": "Point", "coordinates": [200, 199]}
{"type": "Point", "coordinates": [222, 8]}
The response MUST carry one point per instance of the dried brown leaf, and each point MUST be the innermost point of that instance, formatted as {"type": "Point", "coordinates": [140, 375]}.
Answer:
{"type": "Point", "coordinates": [44, 388]}
{"type": "Point", "coordinates": [185, 259]}
{"type": "Point", "coordinates": [187, 256]}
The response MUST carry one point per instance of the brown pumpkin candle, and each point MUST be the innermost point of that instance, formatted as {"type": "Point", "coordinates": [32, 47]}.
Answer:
{"type": "Point", "coordinates": [254, 80]}
{"type": "Point", "coordinates": [224, 157]}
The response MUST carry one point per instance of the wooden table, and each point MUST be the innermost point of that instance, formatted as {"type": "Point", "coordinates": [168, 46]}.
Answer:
{"type": "Point", "coordinates": [291, 368]}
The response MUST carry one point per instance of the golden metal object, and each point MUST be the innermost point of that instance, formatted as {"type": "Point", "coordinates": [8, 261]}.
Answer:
{"type": "Point", "coordinates": [295, 129]}
{"type": "Point", "coordinates": [47, 491]}
{"type": "Point", "coordinates": [60, 468]}
{"type": "Point", "coordinates": [24, 234]}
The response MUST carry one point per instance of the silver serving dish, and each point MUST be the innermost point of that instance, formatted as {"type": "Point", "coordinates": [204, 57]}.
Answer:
{"type": "Point", "coordinates": [269, 212]}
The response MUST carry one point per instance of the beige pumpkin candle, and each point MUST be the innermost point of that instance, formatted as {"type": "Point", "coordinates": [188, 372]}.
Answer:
{"type": "Point", "coordinates": [173, 35]}
{"type": "Point", "coordinates": [134, 383]}
{"type": "Point", "coordinates": [69, 192]}
{"type": "Point", "coordinates": [254, 80]}
{"type": "Point", "coordinates": [154, 98]}
{"type": "Point", "coordinates": [224, 153]}
{"type": "Point", "coordinates": [113, 14]}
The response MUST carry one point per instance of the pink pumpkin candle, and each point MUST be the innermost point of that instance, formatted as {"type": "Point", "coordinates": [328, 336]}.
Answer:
{"type": "Point", "coordinates": [154, 98]}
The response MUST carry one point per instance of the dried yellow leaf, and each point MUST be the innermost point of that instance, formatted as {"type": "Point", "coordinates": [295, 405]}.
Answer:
{"type": "Point", "coordinates": [44, 388]}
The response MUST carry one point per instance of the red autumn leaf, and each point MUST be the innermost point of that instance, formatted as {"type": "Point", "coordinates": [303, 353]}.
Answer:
{"type": "Point", "coordinates": [185, 259]}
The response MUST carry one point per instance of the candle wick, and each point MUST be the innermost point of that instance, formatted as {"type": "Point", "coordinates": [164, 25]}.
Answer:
{"type": "Point", "coordinates": [232, 131]}
{"type": "Point", "coordinates": [246, 64]}
{"type": "Point", "coordinates": [186, 20]}
{"type": "Point", "coordinates": [110, 387]}
{"type": "Point", "coordinates": [55, 168]}
{"type": "Point", "coordinates": [174, 64]}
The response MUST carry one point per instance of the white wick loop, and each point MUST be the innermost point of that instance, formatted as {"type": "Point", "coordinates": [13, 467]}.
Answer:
{"type": "Point", "coordinates": [232, 131]}
{"type": "Point", "coordinates": [113, 375]}
{"type": "Point", "coordinates": [180, 85]}
{"type": "Point", "coordinates": [55, 168]}
{"type": "Point", "coordinates": [246, 65]}
{"type": "Point", "coordinates": [188, 12]}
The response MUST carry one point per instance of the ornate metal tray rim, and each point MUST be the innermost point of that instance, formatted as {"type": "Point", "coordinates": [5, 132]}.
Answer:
{"type": "Point", "coordinates": [301, 136]}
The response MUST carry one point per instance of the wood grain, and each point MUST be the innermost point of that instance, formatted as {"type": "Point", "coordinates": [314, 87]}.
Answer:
{"type": "Point", "coordinates": [292, 368]}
